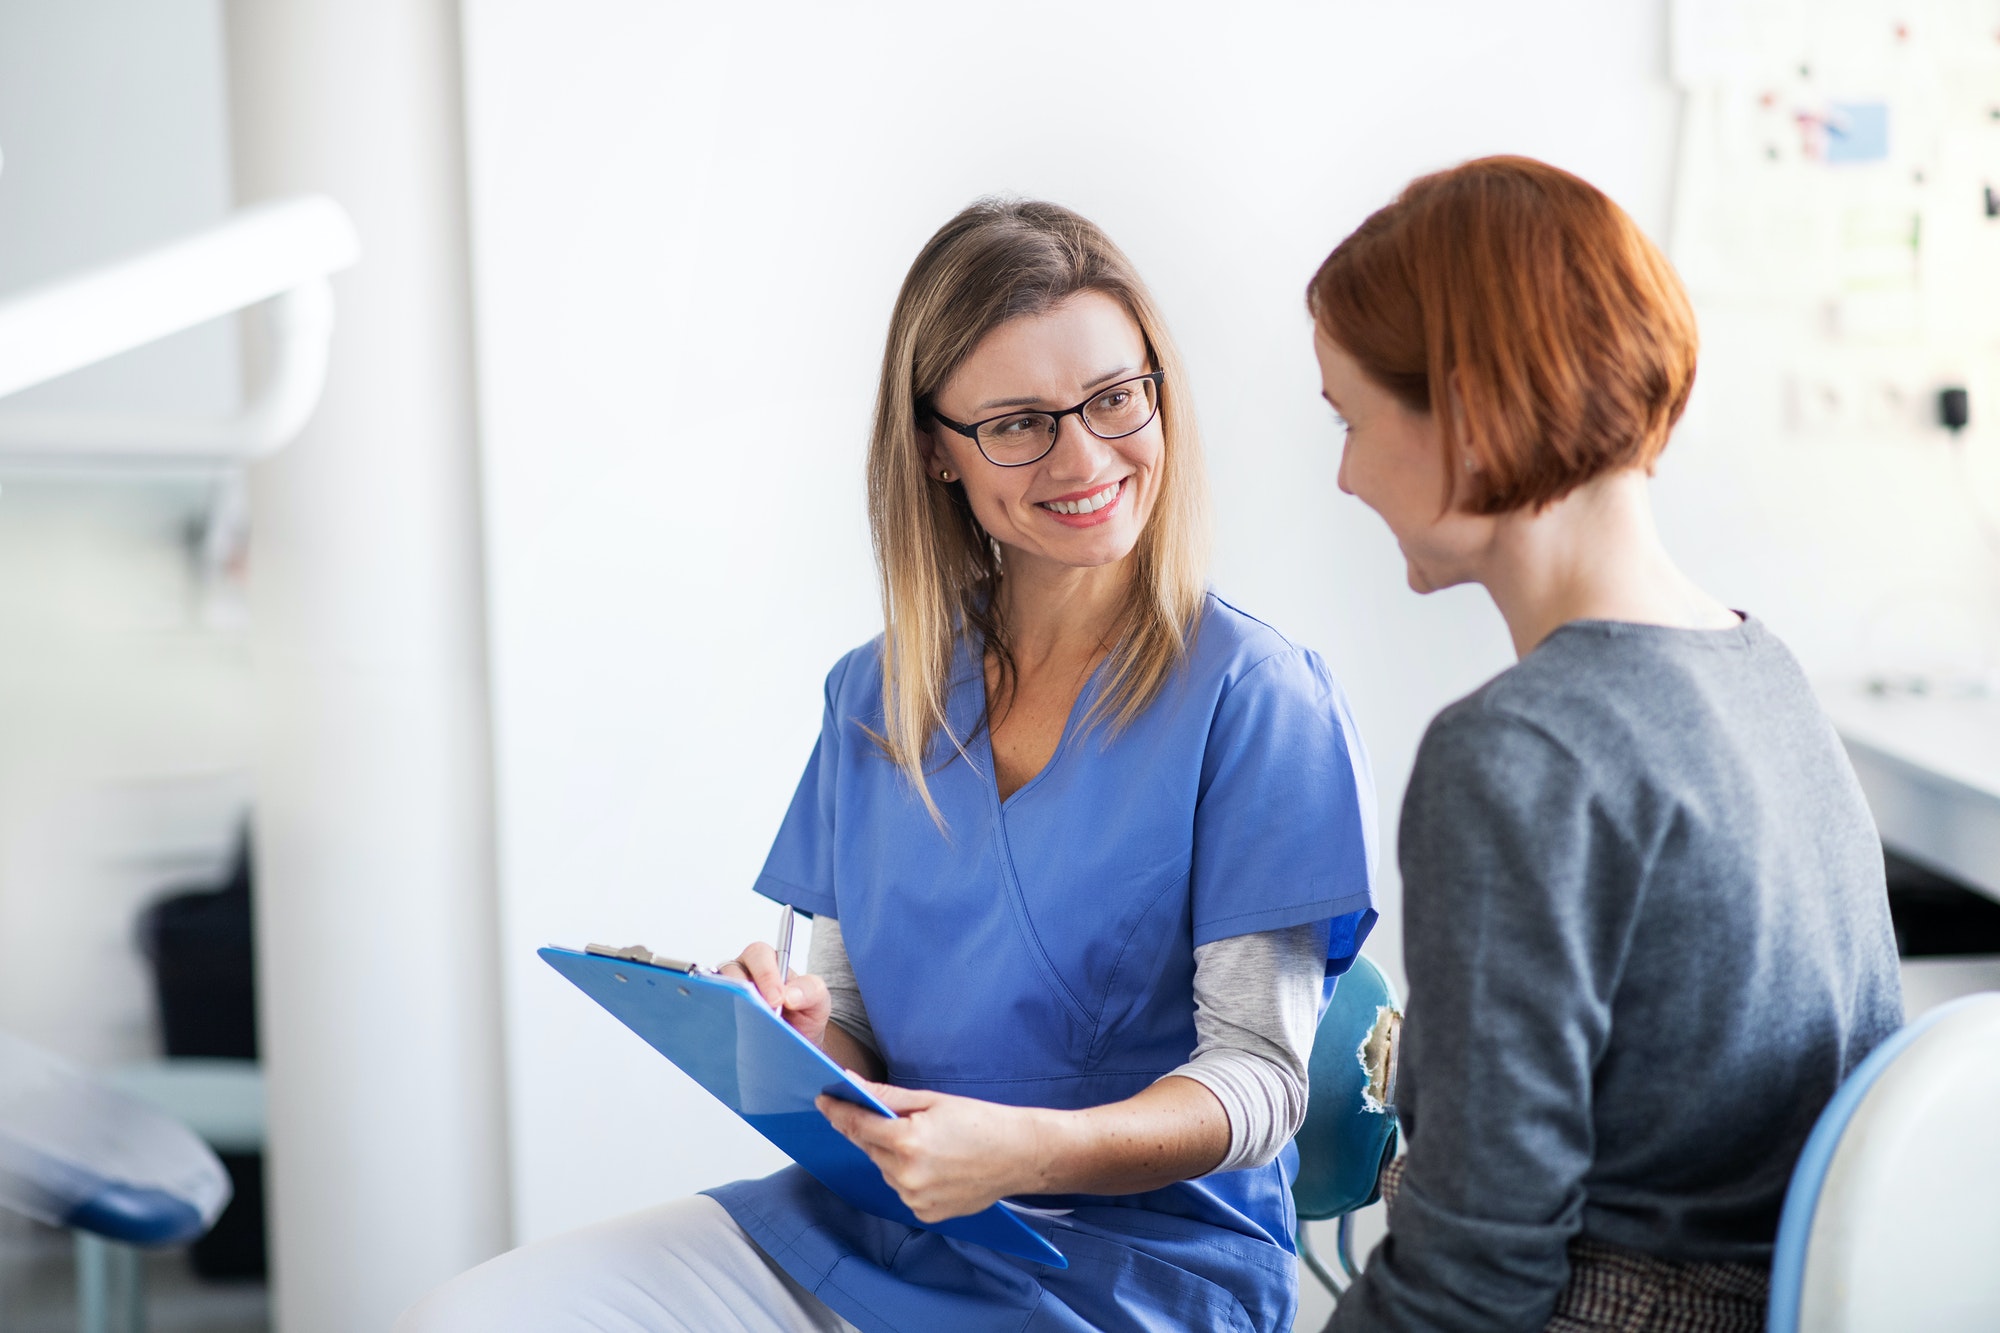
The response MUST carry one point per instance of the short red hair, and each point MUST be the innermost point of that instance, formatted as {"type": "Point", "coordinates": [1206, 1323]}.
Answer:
{"type": "Point", "coordinates": [1565, 332]}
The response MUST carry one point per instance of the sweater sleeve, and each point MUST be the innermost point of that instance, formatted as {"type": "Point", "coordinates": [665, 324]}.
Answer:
{"type": "Point", "coordinates": [1517, 913]}
{"type": "Point", "coordinates": [827, 959]}
{"type": "Point", "coordinates": [1256, 1006]}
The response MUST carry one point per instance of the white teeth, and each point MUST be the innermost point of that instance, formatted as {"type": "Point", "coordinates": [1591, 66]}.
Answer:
{"type": "Point", "coordinates": [1089, 504]}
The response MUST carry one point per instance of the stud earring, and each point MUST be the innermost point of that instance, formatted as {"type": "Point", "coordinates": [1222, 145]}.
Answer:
{"type": "Point", "coordinates": [944, 474]}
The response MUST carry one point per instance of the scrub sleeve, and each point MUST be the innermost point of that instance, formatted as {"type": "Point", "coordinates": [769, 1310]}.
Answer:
{"type": "Point", "coordinates": [1285, 829]}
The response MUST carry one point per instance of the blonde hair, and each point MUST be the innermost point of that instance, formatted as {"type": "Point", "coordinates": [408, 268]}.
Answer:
{"type": "Point", "coordinates": [996, 261]}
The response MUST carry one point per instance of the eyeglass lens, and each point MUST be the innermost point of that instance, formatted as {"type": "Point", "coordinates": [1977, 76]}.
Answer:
{"type": "Point", "coordinates": [1025, 436]}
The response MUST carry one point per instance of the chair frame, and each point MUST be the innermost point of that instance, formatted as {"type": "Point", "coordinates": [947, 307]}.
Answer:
{"type": "Point", "coordinates": [1343, 1252]}
{"type": "Point", "coordinates": [1795, 1222]}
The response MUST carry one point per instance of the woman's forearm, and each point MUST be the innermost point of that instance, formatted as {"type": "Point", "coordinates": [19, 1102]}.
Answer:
{"type": "Point", "coordinates": [1174, 1130]}
{"type": "Point", "coordinates": [948, 1156]}
{"type": "Point", "coordinates": [841, 1047]}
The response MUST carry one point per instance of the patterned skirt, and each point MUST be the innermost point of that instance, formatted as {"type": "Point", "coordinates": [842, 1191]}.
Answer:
{"type": "Point", "coordinates": [1615, 1290]}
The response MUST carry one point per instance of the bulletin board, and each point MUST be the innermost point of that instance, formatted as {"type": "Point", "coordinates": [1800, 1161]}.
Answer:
{"type": "Point", "coordinates": [1843, 160]}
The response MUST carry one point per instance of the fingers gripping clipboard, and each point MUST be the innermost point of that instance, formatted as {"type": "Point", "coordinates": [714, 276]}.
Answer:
{"type": "Point", "coordinates": [725, 1038]}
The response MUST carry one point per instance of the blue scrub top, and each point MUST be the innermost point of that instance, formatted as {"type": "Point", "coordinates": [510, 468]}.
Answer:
{"type": "Point", "coordinates": [1040, 952]}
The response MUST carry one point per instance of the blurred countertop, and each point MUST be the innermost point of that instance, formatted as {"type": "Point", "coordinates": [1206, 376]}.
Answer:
{"type": "Point", "coordinates": [1929, 762]}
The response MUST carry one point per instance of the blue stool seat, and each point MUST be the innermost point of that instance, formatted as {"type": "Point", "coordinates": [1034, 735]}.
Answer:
{"type": "Point", "coordinates": [115, 1171]}
{"type": "Point", "coordinates": [135, 1215]}
{"type": "Point", "coordinates": [76, 1153]}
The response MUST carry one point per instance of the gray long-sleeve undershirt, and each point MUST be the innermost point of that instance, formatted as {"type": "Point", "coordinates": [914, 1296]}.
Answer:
{"type": "Point", "coordinates": [1256, 1005]}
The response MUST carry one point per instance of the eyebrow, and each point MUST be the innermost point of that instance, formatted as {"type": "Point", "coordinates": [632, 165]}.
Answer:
{"type": "Point", "coordinates": [1106, 378]}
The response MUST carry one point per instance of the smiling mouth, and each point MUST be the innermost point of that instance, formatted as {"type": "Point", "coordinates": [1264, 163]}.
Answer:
{"type": "Point", "coordinates": [1088, 504]}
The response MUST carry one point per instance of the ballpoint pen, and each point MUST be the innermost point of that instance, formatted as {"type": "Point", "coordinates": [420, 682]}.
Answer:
{"type": "Point", "coordinates": [784, 950]}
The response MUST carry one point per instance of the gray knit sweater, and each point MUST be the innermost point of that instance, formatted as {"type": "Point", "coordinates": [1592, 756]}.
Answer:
{"type": "Point", "coordinates": [1647, 936]}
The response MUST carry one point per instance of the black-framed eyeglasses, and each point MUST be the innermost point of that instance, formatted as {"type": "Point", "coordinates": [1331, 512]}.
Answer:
{"type": "Point", "coordinates": [1016, 439]}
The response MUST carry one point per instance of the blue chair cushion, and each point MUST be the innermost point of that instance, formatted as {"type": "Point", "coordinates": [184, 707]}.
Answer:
{"type": "Point", "coordinates": [1344, 1142]}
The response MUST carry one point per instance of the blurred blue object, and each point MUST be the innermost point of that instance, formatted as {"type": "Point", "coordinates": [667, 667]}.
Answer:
{"type": "Point", "coordinates": [76, 1153]}
{"type": "Point", "coordinates": [1351, 1131]}
{"type": "Point", "coordinates": [1858, 132]}
{"type": "Point", "coordinates": [137, 1216]}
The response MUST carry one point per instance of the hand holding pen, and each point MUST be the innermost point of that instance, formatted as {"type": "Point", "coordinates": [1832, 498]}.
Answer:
{"type": "Point", "coordinates": [799, 998]}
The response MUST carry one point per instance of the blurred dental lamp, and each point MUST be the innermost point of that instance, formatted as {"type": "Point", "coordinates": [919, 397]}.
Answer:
{"type": "Point", "coordinates": [275, 256]}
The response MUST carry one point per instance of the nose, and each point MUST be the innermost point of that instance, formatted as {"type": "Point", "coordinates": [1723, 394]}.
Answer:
{"type": "Point", "coordinates": [1340, 477]}
{"type": "Point", "coordinates": [1077, 453]}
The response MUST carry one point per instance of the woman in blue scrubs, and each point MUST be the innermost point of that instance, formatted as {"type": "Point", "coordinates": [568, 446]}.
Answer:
{"type": "Point", "coordinates": [1084, 845]}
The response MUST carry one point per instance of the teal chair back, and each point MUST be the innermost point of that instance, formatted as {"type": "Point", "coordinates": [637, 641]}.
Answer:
{"type": "Point", "coordinates": [1345, 1142]}
{"type": "Point", "coordinates": [1349, 1135]}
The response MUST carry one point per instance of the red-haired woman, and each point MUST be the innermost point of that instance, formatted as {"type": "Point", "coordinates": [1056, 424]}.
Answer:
{"type": "Point", "coordinates": [1646, 929]}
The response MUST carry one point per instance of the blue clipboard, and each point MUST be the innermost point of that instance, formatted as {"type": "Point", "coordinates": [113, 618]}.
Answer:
{"type": "Point", "coordinates": [729, 1041]}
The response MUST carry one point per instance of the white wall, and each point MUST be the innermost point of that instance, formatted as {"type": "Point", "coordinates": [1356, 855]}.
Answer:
{"type": "Point", "coordinates": [124, 713]}
{"type": "Point", "coordinates": [689, 226]}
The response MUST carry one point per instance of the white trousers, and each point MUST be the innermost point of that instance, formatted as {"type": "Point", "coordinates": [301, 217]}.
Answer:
{"type": "Point", "coordinates": [684, 1267]}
